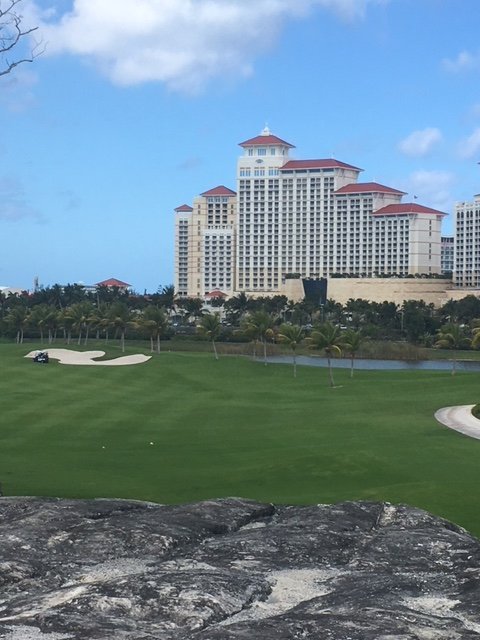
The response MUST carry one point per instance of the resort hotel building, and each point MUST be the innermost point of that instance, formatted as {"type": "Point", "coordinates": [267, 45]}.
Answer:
{"type": "Point", "coordinates": [299, 219]}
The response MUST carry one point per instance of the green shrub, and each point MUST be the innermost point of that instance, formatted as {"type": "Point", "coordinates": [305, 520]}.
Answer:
{"type": "Point", "coordinates": [476, 411]}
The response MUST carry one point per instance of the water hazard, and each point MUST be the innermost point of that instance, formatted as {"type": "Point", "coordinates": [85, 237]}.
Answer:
{"type": "Point", "coordinates": [383, 365]}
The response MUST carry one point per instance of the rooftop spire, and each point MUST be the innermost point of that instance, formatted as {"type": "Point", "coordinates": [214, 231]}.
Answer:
{"type": "Point", "coordinates": [266, 131]}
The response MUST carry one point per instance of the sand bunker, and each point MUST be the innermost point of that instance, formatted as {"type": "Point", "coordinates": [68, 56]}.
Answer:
{"type": "Point", "coordinates": [68, 356]}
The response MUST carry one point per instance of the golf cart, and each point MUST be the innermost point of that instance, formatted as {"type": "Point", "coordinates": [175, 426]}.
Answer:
{"type": "Point", "coordinates": [42, 357]}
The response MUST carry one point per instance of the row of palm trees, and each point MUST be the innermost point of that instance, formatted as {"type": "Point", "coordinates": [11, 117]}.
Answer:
{"type": "Point", "coordinates": [328, 337]}
{"type": "Point", "coordinates": [260, 328]}
{"type": "Point", "coordinates": [335, 328]}
{"type": "Point", "coordinates": [414, 321]}
{"type": "Point", "coordinates": [84, 319]}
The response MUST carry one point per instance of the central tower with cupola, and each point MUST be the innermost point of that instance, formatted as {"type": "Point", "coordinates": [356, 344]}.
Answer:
{"type": "Point", "coordinates": [259, 214]}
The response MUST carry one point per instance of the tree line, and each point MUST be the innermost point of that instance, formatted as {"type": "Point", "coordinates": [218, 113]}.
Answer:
{"type": "Point", "coordinates": [74, 314]}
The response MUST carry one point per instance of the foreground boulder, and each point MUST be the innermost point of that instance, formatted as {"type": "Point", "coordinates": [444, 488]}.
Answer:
{"type": "Point", "coordinates": [233, 569]}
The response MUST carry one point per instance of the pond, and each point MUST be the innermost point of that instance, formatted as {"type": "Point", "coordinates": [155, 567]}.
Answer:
{"type": "Point", "coordinates": [385, 365]}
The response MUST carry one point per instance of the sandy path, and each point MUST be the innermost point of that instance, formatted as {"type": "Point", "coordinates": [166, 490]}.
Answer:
{"type": "Point", "coordinates": [69, 356]}
{"type": "Point", "coordinates": [460, 419]}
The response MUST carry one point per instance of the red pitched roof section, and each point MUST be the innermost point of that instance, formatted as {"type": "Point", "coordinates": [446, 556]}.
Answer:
{"type": "Point", "coordinates": [184, 207]}
{"type": "Point", "coordinates": [406, 208]}
{"type": "Point", "coordinates": [216, 293]}
{"type": "Point", "coordinates": [113, 282]}
{"type": "Point", "coordinates": [317, 164]}
{"type": "Point", "coordinates": [368, 187]}
{"type": "Point", "coordinates": [265, 141]}
{"type": "Point", "coordinates": [219, 191]}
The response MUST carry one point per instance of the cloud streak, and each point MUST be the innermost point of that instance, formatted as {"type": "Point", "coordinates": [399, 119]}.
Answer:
{"type": "Point", "coordinates": [433, 188]}
{"type": "Point", "coordinates": [181, 43]}
{"type": "Point", "coordinates": [13, 205]}
{"type": "Point", "coordinates": [465, 61]}
{"type": "Point", "coordinates": [420, 143]}
{"type": "Point", "coordinates": [470, 146]}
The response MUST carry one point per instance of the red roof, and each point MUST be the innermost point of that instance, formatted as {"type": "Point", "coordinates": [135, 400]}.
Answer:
{"type": "Point", "coordinates": [216, 293]}
{"type": "Point", "coordinates": [219, 191]}
{"type": "Point", "coordinates": [113, 282]}
{"type": "Point", "coordinates": [317, 164]}
{"type": "Point", "coordinates": [184, 207]}
{"type": "Point", "coordinates": [368, 187]}
{"type": "Point", "coordinates": [265, 141]}
{"type": "Point", "coordinates": [406, 208]}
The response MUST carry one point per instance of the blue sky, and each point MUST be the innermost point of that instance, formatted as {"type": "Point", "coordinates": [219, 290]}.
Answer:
{"type": "Point", "coordinates": [137, 106]}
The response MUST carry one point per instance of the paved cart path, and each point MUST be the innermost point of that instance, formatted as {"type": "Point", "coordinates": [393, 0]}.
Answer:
{"type": "Point", "coordinates": [460, 419]}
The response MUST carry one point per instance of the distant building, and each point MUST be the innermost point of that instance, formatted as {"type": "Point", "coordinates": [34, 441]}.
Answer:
{"type": "Point", "coordinates": [466, 271]}
{"type": "Point", "coordinates": [113, 282]}
{"type": "Point", "coordinates": [11, 291]}
{"type": "Point", "coordinates": [448, 254]}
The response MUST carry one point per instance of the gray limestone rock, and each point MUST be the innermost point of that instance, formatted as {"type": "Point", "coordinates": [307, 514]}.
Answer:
{"type": "Point", "coordinates": [233, 569]}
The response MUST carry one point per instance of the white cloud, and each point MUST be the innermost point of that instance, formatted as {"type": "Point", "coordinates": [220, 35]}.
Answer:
{"type": "Point", "coordinates": [348, 9]}
{"type": "Point", "coordinates": [465, 61]}
{"type": "Point", "coordinates": [432, 188]}
{"type": "Point", "coordinates": [182, 43]}
{"type": "Point", "coordinates": [470, 147]}
{"type": "Point", "coordinates": [419, 143]}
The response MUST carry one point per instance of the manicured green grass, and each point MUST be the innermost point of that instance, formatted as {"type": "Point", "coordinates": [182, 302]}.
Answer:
{"type": "Point", "coordinates": [235, 427]}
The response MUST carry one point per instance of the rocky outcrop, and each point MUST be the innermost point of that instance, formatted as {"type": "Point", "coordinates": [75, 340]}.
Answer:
{"type": "Point", "coordinates": [233, 569]}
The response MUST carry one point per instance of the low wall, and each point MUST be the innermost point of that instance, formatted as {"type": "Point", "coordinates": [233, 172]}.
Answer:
{"type": "Point", "coordinates": [395, 290]}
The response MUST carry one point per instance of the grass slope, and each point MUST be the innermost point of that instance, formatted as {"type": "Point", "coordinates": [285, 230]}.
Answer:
{"type": "Point", "coordinates": [235, 427]}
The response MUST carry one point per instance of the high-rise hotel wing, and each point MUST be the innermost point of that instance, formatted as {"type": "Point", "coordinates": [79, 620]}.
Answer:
{"type": "Point", "coordinates": [466, 272]}
{"type": "Point", "coordinates": [307, 217]}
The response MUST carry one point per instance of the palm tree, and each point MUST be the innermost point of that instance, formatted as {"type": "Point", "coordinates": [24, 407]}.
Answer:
{"type": "Point", "coordinates": [121, 318]}
{"type": "Point", "coordinates": [37, 318]}
{"type": "Point", "coordinates": [292, 335]}
{"type": "Point", "coordinates": [192, 307]}
{"type": "Point", "coordinates": [249, 332]}
{"type": "Point", "coordinates": [476, 337]}
{"type": "Point", "coordinates": [66, 323]}
{"type": "Point", "coordinates": [17, 319]}
{"type": "Point", "coordinates": [73, 293]}
{"type": "Point", "coordinates": [55, 296]}
{"type": "Point", "coordinates": [51, 322]}
{"type": "Point", "coordinates": [351, 342]}
{"type": "Point", "coordinates": [105, 295]}
{"type": "Point", "coordinates": [79, 313]}
{"type": "Point", "coordinates": [155, 323]}
{"type": "Point", "coordinates": [237, 307]}
{"type": "Point", "coordinates": [327, 337]}
{"type": "Point", "coordinates": [210, 327]}
{"type": "Point", "coordinates": [260, 326]}
{"type": "Point", "coordinates": [452, 336]}
{"type": "Point", "coordinates": [101, 320]}
{"type": "Point", "coordinates": [89, 318]}
{"type": "Point", "coordinates": [167, 298]}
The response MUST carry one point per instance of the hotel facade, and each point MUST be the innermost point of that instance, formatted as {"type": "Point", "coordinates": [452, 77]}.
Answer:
{"type": "Point", "coordinates": [466, 273]}
{"type": "Point", "coordinates": [305, 219]}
